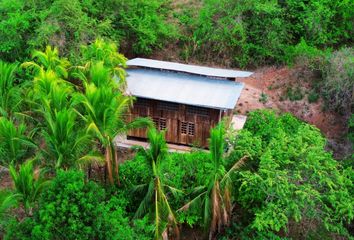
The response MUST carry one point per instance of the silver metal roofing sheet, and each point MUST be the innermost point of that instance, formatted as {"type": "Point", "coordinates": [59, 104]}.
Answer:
{"type": "Point", "coordinates": [183, 88]}
{"type": "Point", "coordinates": [188, 68]}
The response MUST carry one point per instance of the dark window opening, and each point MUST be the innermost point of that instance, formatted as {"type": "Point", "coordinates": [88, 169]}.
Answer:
{"type": "Point", "coordinates": [160, 123]}
{"type": "Point", "coordinates": [184, 126]}
{"type": "Point", "coordinates": [187, 128]}
{"type": "Point", "coordinates": [191, 129]}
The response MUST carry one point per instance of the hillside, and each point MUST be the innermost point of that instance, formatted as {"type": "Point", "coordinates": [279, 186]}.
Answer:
{"type": "Point", "coordinates": [65, 116]}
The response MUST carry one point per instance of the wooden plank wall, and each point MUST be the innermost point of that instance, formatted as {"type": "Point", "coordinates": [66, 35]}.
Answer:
{"type": "Point", "coordinates": [184, 124]}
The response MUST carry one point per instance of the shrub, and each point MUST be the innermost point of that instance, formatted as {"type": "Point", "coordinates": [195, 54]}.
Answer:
{"type": "Point", "coordinates": [141, 25]}
{"type": "Point", "coordinates": [304, 54]}
{"type": "Point", "coordinates": [294, 94]}
{"type": "Point", "coordinates": [313, 97]}
{"type": "Point", "coordinates": [20, 230]}
{"type": "Point", "coordinates": [73, 209]}
{"type": "Point", "coordinates": [295, 179]}
{"type": "Point", "coordinates": [70, 208]}
{"type": "Point", "coordinates": [263, 98]}
{"type": "Point", "coordinates": [183, 171]}
{"type": "Point", "coordinates": [351, 128]}
{"type": "Point", "coordinates": [65, 25]}
{"type": "Point", "coordinates": [338, 81]}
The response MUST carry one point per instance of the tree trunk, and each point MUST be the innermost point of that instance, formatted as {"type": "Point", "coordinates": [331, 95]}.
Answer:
{"type": "Point", "coordinates": [108, 157]}
{"type": "Point", "coordinates": [116, 165]}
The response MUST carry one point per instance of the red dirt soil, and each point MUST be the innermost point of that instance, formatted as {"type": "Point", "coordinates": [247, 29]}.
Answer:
{"type": "Point", "coordinates": [273, 82]}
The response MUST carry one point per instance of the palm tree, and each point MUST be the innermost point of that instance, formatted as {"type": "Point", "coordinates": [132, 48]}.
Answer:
{"type": "Point", "coordinates": [14, 143]}
{"type": "Point", "coordinates": [155, 195]}
{"type": "Point", "coordinates": [7, 200]}
{"type": "Point", "coordinates": [106, 52]}
{"type": "Point", "coordinates": [28, 184]}
{"type": "Point", "coordinates": [66, 145]}
{"type": "Point", "coordinates": [105, 117]}
{"type": "Point", "coordinates": [45, 79]}
{"type": "Point", "coordinates": [214, 198]}
{"type": "Point", "coordinates": [49, 60]}
{"type": "Point", "coordinates": [10, 91]}
{"type": "Point", "coordinates": [105, 114]}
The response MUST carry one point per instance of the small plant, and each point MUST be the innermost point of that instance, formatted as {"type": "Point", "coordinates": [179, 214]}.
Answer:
{"type": "Point", "coordinates": [27, 184]}
{"type": "Point", "coordinates": [294, 94]}
{"type": "Point", "coordinates": [351, 128]}
{"type": "Point", "coordinates": [313, 97]}
{"type": "Point", "coordinates": [263, 98]}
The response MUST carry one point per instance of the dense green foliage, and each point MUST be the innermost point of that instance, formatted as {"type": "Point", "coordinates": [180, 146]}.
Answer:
{"type": "Point", "coordinates": [257, 32]}
{"type": "Point", "coordinates": [295, 180]}
{"type": "Point", "coordinates": [139, 26]}
{"type": "Point", "coordinates": [338, 83]}
{"type": "Point", "coordinates": [73, 209]}
{"type": "Point", "coordinates": [236, 33]}
{"type": "Point", "coordinates": [288, 181]}
{"type": "Point", "coordinates": [61, 109]}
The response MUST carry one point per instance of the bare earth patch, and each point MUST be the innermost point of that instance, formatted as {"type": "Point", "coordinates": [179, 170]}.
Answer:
{"type": "Point", "coordinates": [273, 82]}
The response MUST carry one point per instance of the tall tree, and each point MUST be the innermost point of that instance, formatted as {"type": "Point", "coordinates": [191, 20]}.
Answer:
{"type": "Point", "coordinates": [214, 197]}
{"type": "Point", "coordinates": [164, 217]}
{"type": "Point", "coordinates": [106, 112]}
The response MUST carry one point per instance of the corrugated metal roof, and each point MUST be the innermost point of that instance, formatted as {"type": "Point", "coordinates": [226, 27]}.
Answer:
{"type": "Point", "coordinates": [183, 88]}
{"type": "Point", "coordinates": [179, 67]}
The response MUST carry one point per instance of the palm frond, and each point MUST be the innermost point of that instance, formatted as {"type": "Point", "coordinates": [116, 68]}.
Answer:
{"type": "Point", "coordinates": [235, 167]}
{"type": "Point", "coordinates": [195, 202]}
{"type": "Point", "coordinates": [89, 159]}
{"type": "Point", "coordinates": [144, 205]}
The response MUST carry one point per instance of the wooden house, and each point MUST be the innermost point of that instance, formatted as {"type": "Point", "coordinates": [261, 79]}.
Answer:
{"type": "Point", "coordinates": [184, 100]}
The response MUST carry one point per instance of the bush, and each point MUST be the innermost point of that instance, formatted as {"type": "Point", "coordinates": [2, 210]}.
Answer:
{"type": "Point", "coordinates": [70, 208]}
{"type": "Point", "coordinates": [313, 97]}
{"type": "Point", "coordinates": [351, 128]}
{"type": "Point", "coordinates": [263, 98]}
{"type": "Point", "coordinates": [295, 179]}
{"type": "Point", "coordinates": [258, 32]}
{"type": "Point", "coordinates": [294, 94]}
{"type": "Point", "coordinates": [183, 171]}
{"type": "Point", "coordinates": [73, 209]}
{"type": "Point", "coordinates": [141, 24]}
{"type": "Point", "coordinates": [338, 81]}
{"type": "Point", "coordinates": [67, 26]}
{"type": "Point", "coordinates": [304, 54]}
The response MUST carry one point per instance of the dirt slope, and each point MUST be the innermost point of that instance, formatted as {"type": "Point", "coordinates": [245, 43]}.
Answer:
{"type": "Point", "coordinates": [273, 82]}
